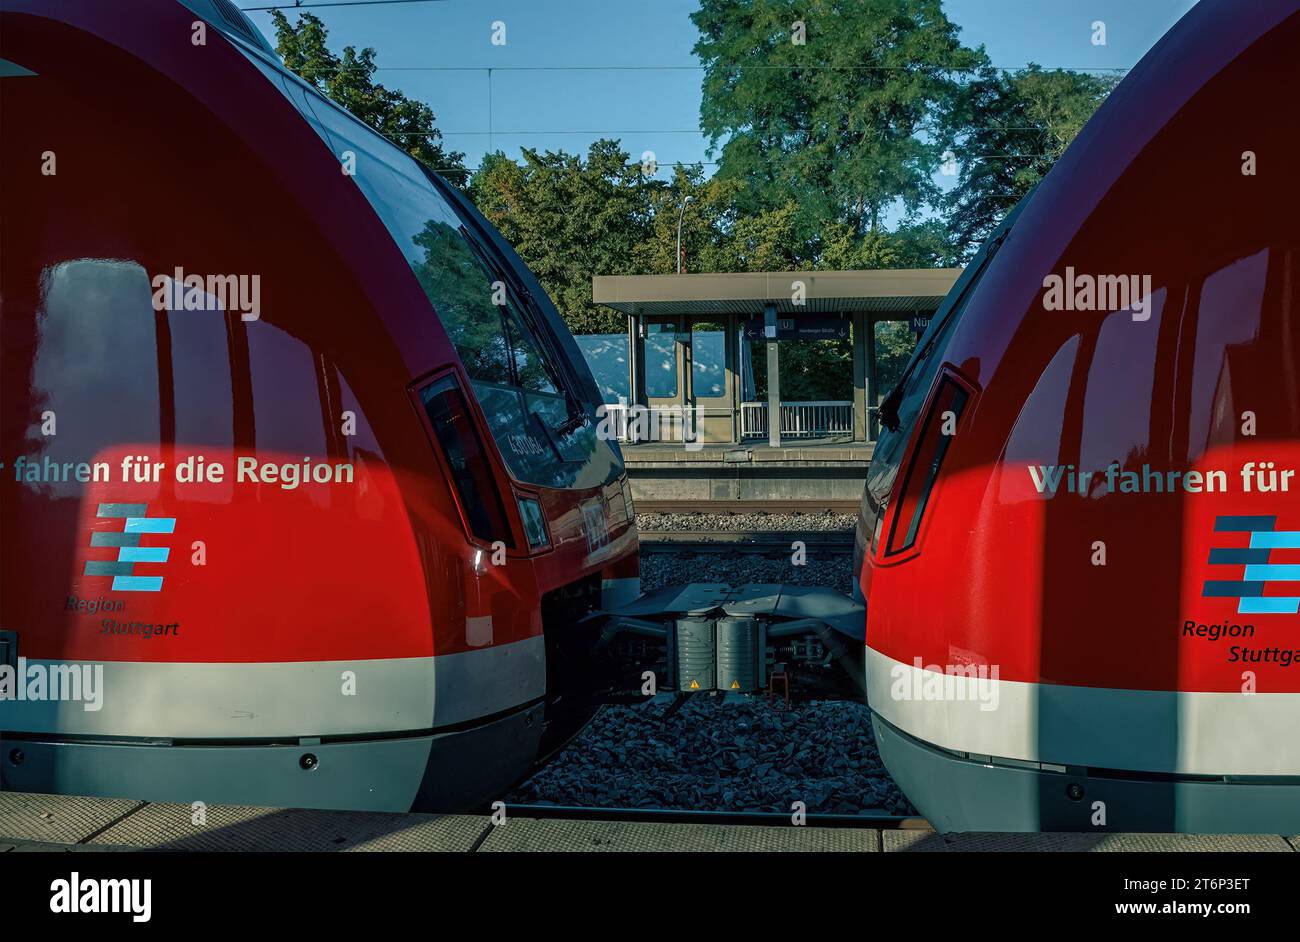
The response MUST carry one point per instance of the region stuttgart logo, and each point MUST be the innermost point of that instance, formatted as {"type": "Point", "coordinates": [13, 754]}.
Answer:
{"type": "Point", "coordinates": [135, 523]}
{"type": "Point", "coordinates": [1260, 567]}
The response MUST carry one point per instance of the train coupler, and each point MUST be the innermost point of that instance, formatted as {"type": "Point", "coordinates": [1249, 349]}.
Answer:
{"type": "Point", "coordinates": [711, 637]}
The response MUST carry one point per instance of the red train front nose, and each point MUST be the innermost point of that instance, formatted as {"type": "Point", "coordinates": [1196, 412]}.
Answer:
{"type": "Point", "coordinates": [1126, 356]}
{"type": "Point", "coordinates": [270, 474]}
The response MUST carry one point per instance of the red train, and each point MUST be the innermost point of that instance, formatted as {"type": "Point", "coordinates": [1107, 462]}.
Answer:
{"type": "Point", "coordinates": [1080, 539]}
{"type": "Point", "coordinates": [301, 497]}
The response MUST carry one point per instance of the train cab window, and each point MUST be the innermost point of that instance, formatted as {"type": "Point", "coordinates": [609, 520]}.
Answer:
{"type": "Point", "coordinates": [901, 408]}
{"type": "Point", "coordinates": [931, 448]}
{"type": "Point", "coordinates": [530, 404]}
{"type": "Point", "coordinates": [463, 294]}
{"type": "Point", "coordinates": [518, 385]}
{"type": "Point", "coordinates": [909, 396]}
{"type": "Point", "coordinates": [467, 459]}
{"type": "Point", "coordinates": [533, 371]}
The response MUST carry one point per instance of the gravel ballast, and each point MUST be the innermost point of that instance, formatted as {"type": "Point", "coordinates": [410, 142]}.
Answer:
{"type": "Point", "coordinates": [820, 567]}
{"type": "Point", "coordinates": [746, 521]}
{"type": "Point", "coordinates": [727, 753]}
{"type": "Point", "coordinates": [723, 754]}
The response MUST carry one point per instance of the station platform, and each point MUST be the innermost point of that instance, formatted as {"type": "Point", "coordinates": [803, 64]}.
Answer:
{"type": "Point", "coordinates": [36, 823]}
{"type": "Point", "coordinates": [831, 471]}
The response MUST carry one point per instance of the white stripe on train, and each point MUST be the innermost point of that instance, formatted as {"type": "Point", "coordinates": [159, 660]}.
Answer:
{"type": "Point", "coordinates": [295, 698]}
{"type": "Point", "coordinates": [1100, 727]}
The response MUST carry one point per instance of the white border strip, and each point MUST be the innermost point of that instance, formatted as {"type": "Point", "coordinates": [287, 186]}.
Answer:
{"type": "Point", "coordinates": [1138, 730]}
{"type": "Point", "coordinates": [294, 698]}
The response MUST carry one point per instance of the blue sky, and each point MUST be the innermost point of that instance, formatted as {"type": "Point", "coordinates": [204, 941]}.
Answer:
{"type": "Point", "coordinates": [573, 71]}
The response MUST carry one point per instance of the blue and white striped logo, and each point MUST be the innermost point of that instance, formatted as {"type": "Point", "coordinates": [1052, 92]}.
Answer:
{"type": "Point", "coordinates": [129, 550]}
{"type": "Point", "coordinates": [1249, 590]}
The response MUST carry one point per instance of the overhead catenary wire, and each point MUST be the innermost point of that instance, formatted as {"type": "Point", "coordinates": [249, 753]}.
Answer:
{"type": "Point", "coordinates": [319, 4]}
{"type": "Point", "coordinates": [491, 133]}
{"type": "Point", "coordinates": [314, 4]}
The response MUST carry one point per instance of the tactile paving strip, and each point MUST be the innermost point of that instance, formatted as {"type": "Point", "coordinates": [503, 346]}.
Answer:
{"type": "Point", "coordinates": [533, 834]}
{"type": "Point", "coordinates": [1221, 843]}
{"type": "Point", "coordinates": [57, 818]}
{"type": "Point", "coordinates": [237, 828]}
{"type": "Point", "coordinates": [923, 841]}
{"type": "Point", "coordinates": [43, 848]}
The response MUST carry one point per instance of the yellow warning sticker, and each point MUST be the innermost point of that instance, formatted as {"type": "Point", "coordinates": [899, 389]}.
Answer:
{"type": "Point", "coordinates": [735, 685]}
{"type": "Point", "coordinates": [695, 685]}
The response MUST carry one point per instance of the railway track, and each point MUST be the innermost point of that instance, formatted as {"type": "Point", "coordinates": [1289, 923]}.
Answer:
{"type": "Point", "coordinates": [868, 819]}
{"type": "Point", "coordinates": [810, 507]}
{"type": "Point", "coordinates": [744, 541]}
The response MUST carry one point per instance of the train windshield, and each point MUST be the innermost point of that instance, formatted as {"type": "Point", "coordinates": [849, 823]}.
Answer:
{"type": "Point", "coordinates": [525, 394]}
{"type": "Point", "coordinates": [899, 410]}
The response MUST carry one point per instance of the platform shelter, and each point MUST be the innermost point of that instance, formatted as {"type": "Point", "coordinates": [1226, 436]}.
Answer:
{"type": "Point", "coordinates": [708, 348]}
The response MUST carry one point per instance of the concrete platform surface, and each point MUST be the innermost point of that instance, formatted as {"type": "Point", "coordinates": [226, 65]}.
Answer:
{"type": "Point", "coordinates": [56, 823]}
{"type": "Point", "coordinates": [533, 834]}
{"type": "Point", "coordinates": [747, 473]}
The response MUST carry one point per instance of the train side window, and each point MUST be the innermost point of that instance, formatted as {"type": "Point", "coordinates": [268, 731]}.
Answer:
{"type": "Point", "coordinates": [467, 459]}
{"type": "Point", "coordinates": [931, 448]}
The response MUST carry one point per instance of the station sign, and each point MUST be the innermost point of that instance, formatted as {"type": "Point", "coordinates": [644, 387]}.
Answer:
{"type": "Point", "coordinates": [918, 323]}
{"type": "Point", "coordinates": [799, 328]}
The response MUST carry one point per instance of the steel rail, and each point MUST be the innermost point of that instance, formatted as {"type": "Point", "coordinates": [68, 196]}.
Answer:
{"type": "Point", "coordinates": [869, 819]}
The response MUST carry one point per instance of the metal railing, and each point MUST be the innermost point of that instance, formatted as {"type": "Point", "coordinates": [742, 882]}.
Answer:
{"type": "Point", "coordinates": [678, 423]}
{"type": "Point", "coordinates": [798, 419]}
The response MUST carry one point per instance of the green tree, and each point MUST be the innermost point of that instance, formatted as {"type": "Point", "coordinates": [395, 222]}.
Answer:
{"type": "Point", "coordinates": [913, 245]}
{"type": "Point", "coordinates": [569, 219]}
{"type": "Point", "coordinates": [716, 235]}
{"type": "Point", "coordinates": [706, 217]}
{"type": "Point", "coordinates": [1009, 128]}
{"type": "Point", "coordinates": [766, 240]}
{"type": "Point", "coordinates": [841, 123]}
{"type": "Point", "coordinates": [349, 81]}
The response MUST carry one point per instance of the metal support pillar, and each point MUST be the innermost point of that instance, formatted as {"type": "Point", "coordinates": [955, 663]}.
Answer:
{"type": "Point", "coordinates": [773, 378]}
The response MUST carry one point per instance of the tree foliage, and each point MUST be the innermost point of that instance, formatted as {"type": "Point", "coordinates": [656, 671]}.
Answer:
{"type": "Point", "coordinates": [569, 219]}
{"type": "Point", "coordinates": [1009, 128]}
{"type": "Point", "coordinates": [836, 123]}
{"type": "Point", "coordinates": [349, 80]}
{"type": "Point", "coordinates": [818, 141]}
